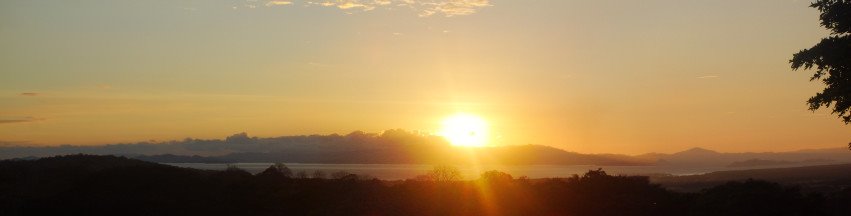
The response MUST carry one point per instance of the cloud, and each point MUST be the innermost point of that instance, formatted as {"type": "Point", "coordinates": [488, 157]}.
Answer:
{"type": "Point", "coordinates": [19, 120]}
{"type": "Point", "coordinates": [423, 8]}
{"type": "Point", "coordinates": [454, 7]}
{"type": "Point", "coordinates": [278, 3]}
{"type": "Point", "coordinates": [29, 94]}
{"type": "Point", "coordinates": [707, 77]}
{"type": "Point", "coordinates": [354, 4]}
{"type": "Point", "coordinates": [14, 143]}
{"type": "Point", "coordinates": [348, 4]}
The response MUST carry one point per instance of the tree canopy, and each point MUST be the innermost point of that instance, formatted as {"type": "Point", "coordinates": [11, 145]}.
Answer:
{"type": "Point", "coordinates": [831, 59]}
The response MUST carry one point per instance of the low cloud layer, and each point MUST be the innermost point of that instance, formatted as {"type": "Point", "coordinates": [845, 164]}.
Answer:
{"type": "Point", "coordinates": [239, 143]}
{"type": "Point", "coordinates": [9, 120]}
{"type": "Point", "coordinates": [423, 8]}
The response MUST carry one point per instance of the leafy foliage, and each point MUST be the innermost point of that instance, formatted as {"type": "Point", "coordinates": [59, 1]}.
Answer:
{"type": "Point", "coordinates": [444, 173]}
{"type": "Point", "coordinates": [831, 59]}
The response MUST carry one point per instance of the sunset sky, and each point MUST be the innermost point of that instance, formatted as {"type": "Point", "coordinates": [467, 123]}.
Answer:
{"type": "Point", "coordinates": [588, 76]}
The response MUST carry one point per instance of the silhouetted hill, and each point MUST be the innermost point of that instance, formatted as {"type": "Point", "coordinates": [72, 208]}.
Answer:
{"type": "Point", "coordinates": [392, 146]}
{"type": "Point", "coordinates": [80, 162]}
{"type": "Point", "coordinates": [400, 147]}
{"type": "Point", "coordinates": [708, 158]}
{"type": "Point", "coordinates": [32, 180]}
{"type": "Point", "coordinates": [538, 154]}
{"type": "Point", "coordinates": [760, 162]}
{"type": "Point", "coordinates": [513, 155]}
{"type": "Point", "coordinates": [822, 177]}
{"type": "Point", "coordinates": [108, 185]}
{"type": "Point", "coordinates": [697, 151]}
{"type": "Point", "coordinates": [776, 163]}
{"type": "Point", "coordinates": [170, 158]}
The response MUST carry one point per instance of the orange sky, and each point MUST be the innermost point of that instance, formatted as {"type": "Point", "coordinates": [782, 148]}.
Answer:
{"type": "Point", "coordinates": [587, 76]}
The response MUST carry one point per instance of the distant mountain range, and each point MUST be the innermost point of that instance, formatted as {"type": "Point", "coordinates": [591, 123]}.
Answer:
{"type": "Point", "coordinates": [812, 178]}
{"type": "Point", "coordinates": [403, 147]}
{"type": "Point", "coordinates": [510, 155]}
{"type": "Point", "coordinates": [709, 158]}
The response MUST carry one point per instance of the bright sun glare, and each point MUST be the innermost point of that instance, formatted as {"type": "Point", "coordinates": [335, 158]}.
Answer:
{"type": "Point", "coordinates": [465, 130]}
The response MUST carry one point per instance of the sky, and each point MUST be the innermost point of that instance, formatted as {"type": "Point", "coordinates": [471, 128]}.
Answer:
{"type": "Point", "coordinates": [599, 76]}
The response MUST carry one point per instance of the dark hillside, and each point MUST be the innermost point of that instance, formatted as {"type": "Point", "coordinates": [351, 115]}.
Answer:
{"type": "Point", "coordinates": [811, 178]}
{"type": "Point", "coordinates": [108, 185]}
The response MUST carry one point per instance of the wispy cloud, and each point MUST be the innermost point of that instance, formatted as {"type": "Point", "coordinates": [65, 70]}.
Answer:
{"type": "Point", "coordinates": [13, 143]}
{"type": "Point", "coordinates": [29, 94]}
{"type": "Point", "coordinates": [707, 77]}
{"type": "Point", "coordinates": [278, 3]}
{"type": "Point", "coordinates": [10, 120]}
{"type": "Point", "coordinates": [452, 7]}
{"type": "Point", "coordinates": [423, 8]}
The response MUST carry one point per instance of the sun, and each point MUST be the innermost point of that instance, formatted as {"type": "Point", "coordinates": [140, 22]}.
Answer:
{"type": "Point", "coordinates": [465, 130]}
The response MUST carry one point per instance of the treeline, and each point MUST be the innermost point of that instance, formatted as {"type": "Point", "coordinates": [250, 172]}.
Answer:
{"type": "Point", "coordinates": [107, 185]}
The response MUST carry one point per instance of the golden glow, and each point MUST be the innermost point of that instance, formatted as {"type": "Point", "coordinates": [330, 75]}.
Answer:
{"type": "Point", "coordinates": [567, 83]}
{"type": "Point", "coordinates": [465, 130]}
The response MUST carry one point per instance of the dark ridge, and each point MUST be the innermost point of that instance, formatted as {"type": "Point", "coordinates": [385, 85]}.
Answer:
{"type": "Point", "coordinates": [109, 185]}
{"type": "Point", "coordinates": [813, 178]}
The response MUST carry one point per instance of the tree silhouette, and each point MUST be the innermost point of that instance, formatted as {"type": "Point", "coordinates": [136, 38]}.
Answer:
{"type": "Point", "coordinates": [318, 174]}
{"type": "Point", "coordinates": [108, 185]}
{"type": "Point", "coordinates": [831, 59]}
{"type": "Point", "coordinates": [496, 177]}
{"type": "Point", "coordinates": [340, 174]}
{"type": "Point", "coordinates": [283, 169]}
{"type": "Point", "coordinates": [444, 173]}
{"type": "Point", "coordinates": [301, 174]}
{"type": "Point", "coordinates": [277, 170]}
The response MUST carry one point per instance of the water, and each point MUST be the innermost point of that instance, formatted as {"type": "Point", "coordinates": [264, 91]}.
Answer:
{"type": "Point", "coordinates": [408, 171]}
